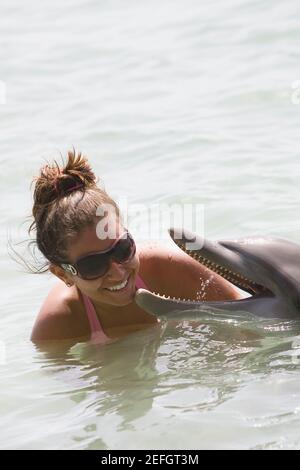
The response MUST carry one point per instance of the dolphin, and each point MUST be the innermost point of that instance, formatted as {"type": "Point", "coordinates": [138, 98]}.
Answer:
{"type": "Point", "coordinates": [267, 268]}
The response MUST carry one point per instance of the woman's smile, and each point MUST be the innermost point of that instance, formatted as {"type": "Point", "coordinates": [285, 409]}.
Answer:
{"type": "Point", "coordinates": [120, 291]}
{"type": "Point", "coordinates": [120, 286]}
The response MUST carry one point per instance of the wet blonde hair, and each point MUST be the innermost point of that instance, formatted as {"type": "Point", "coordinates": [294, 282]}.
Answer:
{"type": "Point", "coordinates": [66, 199]}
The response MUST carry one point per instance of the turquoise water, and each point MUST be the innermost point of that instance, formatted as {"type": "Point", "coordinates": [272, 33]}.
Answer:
{"type": "Point", "coordinates": [173, 102]}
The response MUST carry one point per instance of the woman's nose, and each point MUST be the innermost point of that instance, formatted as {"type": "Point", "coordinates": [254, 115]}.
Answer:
{"type": "Point", "coordinates": [116, 271]}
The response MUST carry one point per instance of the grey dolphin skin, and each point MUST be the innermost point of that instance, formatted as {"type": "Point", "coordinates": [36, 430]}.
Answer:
{"type": "Point", "coordinates": [267, 268]}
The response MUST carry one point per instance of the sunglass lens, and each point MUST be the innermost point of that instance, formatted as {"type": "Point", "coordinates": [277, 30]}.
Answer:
{"type": "Point", "coordinates": [124, 250]}
{"type": "Point", "coordinates": [96, 265]}
{"type": "Point", "coordinates": [93, 266]}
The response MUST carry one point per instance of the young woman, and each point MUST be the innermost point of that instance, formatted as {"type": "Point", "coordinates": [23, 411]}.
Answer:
{"type": "Point", "coordinates": [98, 275]}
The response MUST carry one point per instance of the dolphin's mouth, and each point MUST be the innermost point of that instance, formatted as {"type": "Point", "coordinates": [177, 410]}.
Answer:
{"type": "Point", "coordinates": [266, 268]}
{"type": "Point", "coordinates": [235, 278]}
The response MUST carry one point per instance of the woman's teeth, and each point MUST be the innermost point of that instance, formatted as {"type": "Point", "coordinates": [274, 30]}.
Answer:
{"type": "Point", "coordinates": [118, 286]}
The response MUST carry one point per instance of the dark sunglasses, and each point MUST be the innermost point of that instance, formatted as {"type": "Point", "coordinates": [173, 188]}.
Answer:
{"type": "Point", "coordinates": [97, 264]}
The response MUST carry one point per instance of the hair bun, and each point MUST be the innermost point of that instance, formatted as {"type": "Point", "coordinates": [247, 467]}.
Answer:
{"type": "Point", "coordinates": [55, 181]}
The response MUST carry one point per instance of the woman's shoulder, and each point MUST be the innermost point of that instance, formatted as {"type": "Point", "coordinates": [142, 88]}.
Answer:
{"type": "Point", "coordinates": [61, 316]}
{"type": "Point", "coordinates": [163, 262]}
{"type": "Point", "coordinates": [157, 250]}
{"type": "Point", "coordinates": [162, 253]}
{"type": "Point", "coordinates": [177, 274]}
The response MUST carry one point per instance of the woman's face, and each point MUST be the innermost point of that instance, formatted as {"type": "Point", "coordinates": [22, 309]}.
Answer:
{"type": "Point", "coordinates": [105, 289]}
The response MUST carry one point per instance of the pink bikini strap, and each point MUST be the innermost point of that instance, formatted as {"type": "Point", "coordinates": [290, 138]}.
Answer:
{"type": "Point", "coordinates": [140, 283]}
{"type": "Point", "coordinates": [97, 333]}
{"type": "Point", "coordinates": [95, 325]}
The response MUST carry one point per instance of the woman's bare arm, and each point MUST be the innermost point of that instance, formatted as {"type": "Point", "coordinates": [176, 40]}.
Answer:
{"type": "Point", "coordinates": [177, 274]}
